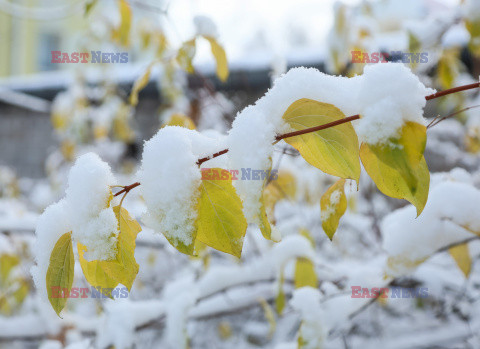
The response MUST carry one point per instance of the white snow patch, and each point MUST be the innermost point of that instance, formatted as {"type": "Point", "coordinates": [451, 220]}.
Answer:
{"type": "Point", "coordinates": [94, 223]}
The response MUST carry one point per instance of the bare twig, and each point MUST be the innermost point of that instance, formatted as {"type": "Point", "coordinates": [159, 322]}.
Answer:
{"type": "Point", "coordinates": [439, 119]}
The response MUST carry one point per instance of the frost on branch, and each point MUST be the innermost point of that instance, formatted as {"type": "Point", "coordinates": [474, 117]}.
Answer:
{"type": "Point", "coordinates": [88, 197]}
{"type": "Point", "coordinates": [450, 216]}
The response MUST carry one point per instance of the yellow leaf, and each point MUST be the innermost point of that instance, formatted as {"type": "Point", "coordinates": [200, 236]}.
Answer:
{"type": "Point", "coordinates": [333, 205]}
{"type": "Point", "coordinates": [59, 121]}
{"type": "Point", "coordinates": [264, 224]}
{"type": "Point", "coordinates": [7, 262]}
{"type": "Point", "coordinates": [461, 256]}
{"type": "Point", "coordinates": [305, 273]}
{"type": "Point", "coordinates": [472, 141]}
{"type": "Point", "coordinates": [181, 120]}
{"type": "Point", "coordinates": [100, 132]}
{"type": "Point", "coordinates": [287, 183]}
{"type": "Point", "coordinates": [185, 55]}
{"type": "Point", "coordinates": [60, 272]}
{"type": "Point", "coordinates": [306, 234]}
{"type": "Point", "coordinates": [21, 292]}
{"type": "Point", "coordinates": [220, 222]}
{"type": "Point", "coordinates": [270, 316]}
{"type": "Point", "coordinates": [333, 150]}
{"type": "Point", "coordinates": [124, 268]}
{"type": "Point", "coordinates": [220, 57]}
{"type": "Point", "coordinates": [161, 41]}
{"type": "Point", "coordinates": [283, 187]}
{"type": "Point", "coordinates": [473, 27]}
{"type": "Point", "coordinates": [394, 167]}
{"type": "Point", "coordinates": [121, 126]}
{"type": "Point", "coordinates": [68, 150]}
{"type": "Point", "coordinates": [89, 5]}
{"type": "Point", "coordinates": [280, 298]}
{"type": "Point", "coordinates": [448, 68]}
{"type": "Point", "coordinates": [123, 31]}
{"type": "Point", "coordinates": [140, 84]}
{"type": "Point", "coordinates": [224, 330]}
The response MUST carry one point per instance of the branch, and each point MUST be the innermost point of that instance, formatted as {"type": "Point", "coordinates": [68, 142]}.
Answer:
{"type": "Point", "coordinates": [318, 128]}
{"type": "Point", "coordinates": [127, 188]}
{"type": "Point", "coordinates": [291, 134]}
{"type": "Point", "coordinates": [453, 90]}
{"type": "Point", "coordinates": [439, 119]}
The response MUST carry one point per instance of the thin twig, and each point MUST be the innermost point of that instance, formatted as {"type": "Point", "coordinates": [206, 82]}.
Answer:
{"type": "Point", "coordinates": [437, 120]}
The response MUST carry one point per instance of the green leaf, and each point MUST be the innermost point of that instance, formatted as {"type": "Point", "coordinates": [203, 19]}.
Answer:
{"type": "Point", "coordinates": [305, 273]}
{"type": "Point", "coordinates": [185, 55]}
{"type": "Point", "coordinates": [333, 205]}
{"type": "Point", "coordinates": [220, 57]}
{"type": "Point", "coordinates": [396, 169]}
{"type": "Point", "coordinates": [124, 268]}
{"type": "Point", "coordinates": [60, 271]}
{"type": "Point", "coordinates": [220, 222]}
{"type": "Point", "coordinates": [461, 256]}
{"type": "Point", "coordinates": [333, 150]}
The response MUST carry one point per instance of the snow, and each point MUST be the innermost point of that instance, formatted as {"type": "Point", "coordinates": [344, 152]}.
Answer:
{"type": "Point", "coordinates": [52, 224]}
{"type": "Point", "coordinates": [170, 179]}
{"type": "Point", "coordinates": [93, 221]}
{"type": "Point", "coordinates": [471, 9]}
{"type": "Point", "coordinates": [205, 26]}
{"type": "Point", "coordinates": [448, 217]}
{"type": "Point", "coordinates": [250, 146]}
{"type": "Point", "coordinates": [121, 318]}
{"type": "Point", "coordinates": [51, 344]}
{"type": "Point", "coordinates": [306, 301]}
{"type": "Point", "coordinates": [290, 247]}
{"type": "Point", "coordinates": [383, 87]}
{"type": "Point", "coordinates": [330, 209]}
{"type": "Point", "coordinates": [386, 96]}
{"type": "Point", "coordinates": [181, 296]}
{"type": "Point", "coordinates": [456, 36]}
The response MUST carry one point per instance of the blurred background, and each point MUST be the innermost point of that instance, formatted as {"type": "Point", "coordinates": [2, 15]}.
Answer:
{"type": "Point", "coordinates": [51, 113]}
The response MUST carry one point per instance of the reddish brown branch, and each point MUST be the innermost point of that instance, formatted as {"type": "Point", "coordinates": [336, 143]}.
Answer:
{"type": "Point", "coordinates": [291, 134]}
{"type": "Point", "coordinates": [453, 90]}
{"type": "Point", "coordinates": [317, 128]}
{"type": "Point", "coordinates": [127, 188]}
